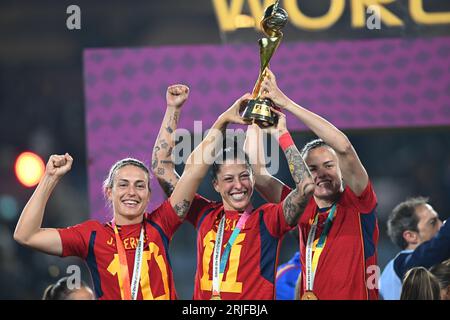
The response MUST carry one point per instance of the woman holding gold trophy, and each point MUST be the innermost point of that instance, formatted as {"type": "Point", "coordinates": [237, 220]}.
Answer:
{"type": "Point", "coordinates": [237, 245]}
{"type": "Point", "coordinates": [339, 229]}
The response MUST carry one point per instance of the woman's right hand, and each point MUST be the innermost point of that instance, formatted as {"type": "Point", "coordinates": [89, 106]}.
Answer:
{"type": "Point", "coordinates": [233, 113]}
{"type": "Point", "coordinates": [58, 165]}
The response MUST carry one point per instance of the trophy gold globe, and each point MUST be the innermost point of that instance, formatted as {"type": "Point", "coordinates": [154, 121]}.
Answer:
{"type": "Point", "coordinates": [259, 109]}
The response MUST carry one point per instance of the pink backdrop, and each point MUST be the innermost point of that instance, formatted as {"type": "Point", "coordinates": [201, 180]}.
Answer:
{"type": "Point", "coordinates": [354, 84]}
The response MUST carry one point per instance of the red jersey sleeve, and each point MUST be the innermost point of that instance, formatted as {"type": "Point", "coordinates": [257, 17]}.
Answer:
{"type": "Point", "coordinates": [198, 207]}
{"type": "Point", "coordinates": [366, 202]}
{"type": "Point", "coordinates": [166, 217]}
{"type": "Point", "coordinates": [75, 239]}
{"type": "Point", "coordinates": [274, 219]}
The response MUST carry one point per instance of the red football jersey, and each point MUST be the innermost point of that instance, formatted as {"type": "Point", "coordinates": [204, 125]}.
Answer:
{"type": "Point", "coordinates": [251, 268]}
{"type": "Point", "coordinates": [351, 248]}
{"type": "Point", "coordinates": [95, 243]}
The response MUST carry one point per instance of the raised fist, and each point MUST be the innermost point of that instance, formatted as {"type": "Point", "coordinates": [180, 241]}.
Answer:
{"type": "Point", "coordinates": [58, 165]}
{"type": "Point", "coordinates": [176, 95]}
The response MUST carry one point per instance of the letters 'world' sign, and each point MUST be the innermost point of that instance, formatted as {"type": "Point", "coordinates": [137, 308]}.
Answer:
{"type": "Point", "coordinates": [322, 15]}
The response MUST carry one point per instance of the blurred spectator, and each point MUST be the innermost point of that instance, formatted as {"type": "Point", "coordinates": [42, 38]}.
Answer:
{"type": "Point", "coordinates": [286, 279]}
{"type": "Point", "coordinates": [62, 290]}
{"type": "Point", "coordinates": [287, 275]}
{"type": "Point", "coordinates": [416, 228]}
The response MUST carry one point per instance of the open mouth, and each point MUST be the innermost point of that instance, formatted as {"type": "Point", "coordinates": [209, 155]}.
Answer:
{"type": "Point", "coordinates": [324, 183]}
{"type": "Point", "coordinates": [238, 196]}
{"type": "Point", "coordinates": [130, 203]}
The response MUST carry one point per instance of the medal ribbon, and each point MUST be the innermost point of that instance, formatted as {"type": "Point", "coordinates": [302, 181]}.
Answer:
{"type": "Point", "coordinates": [129, 292]}
{"type": "Point", "coordinates": [311, 263]}
{"type": "Point", "coordinates": [219, 263]}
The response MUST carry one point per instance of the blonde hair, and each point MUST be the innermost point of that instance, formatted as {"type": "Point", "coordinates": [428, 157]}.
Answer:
{"type": "Point", "coordinates": [420, 284]}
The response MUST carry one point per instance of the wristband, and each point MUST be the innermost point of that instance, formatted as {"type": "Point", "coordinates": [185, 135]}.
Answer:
{"type": "Point", "coordinates": [285, 141]}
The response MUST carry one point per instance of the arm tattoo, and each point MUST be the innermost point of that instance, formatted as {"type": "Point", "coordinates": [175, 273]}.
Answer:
{"type": "Point", "coordinates": [155, 157]}
{"type": "Point", "coordinates": [297, 166]}
{"type": "Point", "coordinates": [182, 208]}
{"type": "Point", "coordinates": [293, 208]}
{"type": "Point", "coordinates": [162, 164]}
{"type": "Point", "coordinates": [174, 119]}
{"type": "Point", "coordinates": [169, 152]}
{"type": "Point", "coordinates": [154, 163]}
{"type": "Point", "coordinates": [296, 201]}
{"type": "Point", "coordinates": [173, 122]}
{"type": "Point", "coordinates": [167, 187]}
{"type": "Point", "coordinates": [169, 129]}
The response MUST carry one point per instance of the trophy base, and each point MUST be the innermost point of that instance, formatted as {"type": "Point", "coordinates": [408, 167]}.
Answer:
{"type": "Point", "coordinates": [259, 111]}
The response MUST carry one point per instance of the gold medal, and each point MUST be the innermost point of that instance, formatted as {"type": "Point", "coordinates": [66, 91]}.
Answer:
{"type": "Point", "coordinates": [309, 295]}
{"type": "Point", "coordinates": [215, 297]}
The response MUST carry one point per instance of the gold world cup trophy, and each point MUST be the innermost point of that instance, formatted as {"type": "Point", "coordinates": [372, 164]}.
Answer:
{"type": "Point", "coordinates": [258, 109]}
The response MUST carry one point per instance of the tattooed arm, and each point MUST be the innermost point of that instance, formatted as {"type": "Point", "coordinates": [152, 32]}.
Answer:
{"type": "Point", "coordinates": [296, 201]}
{"type": "Point", "coordinates": [198, 162]}
{"type": "Point", "coordinates": [163, 166]}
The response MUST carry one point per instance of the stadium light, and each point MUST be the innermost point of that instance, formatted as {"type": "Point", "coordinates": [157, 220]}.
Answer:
{"type": "Point", "coordinates": [29, 168]}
